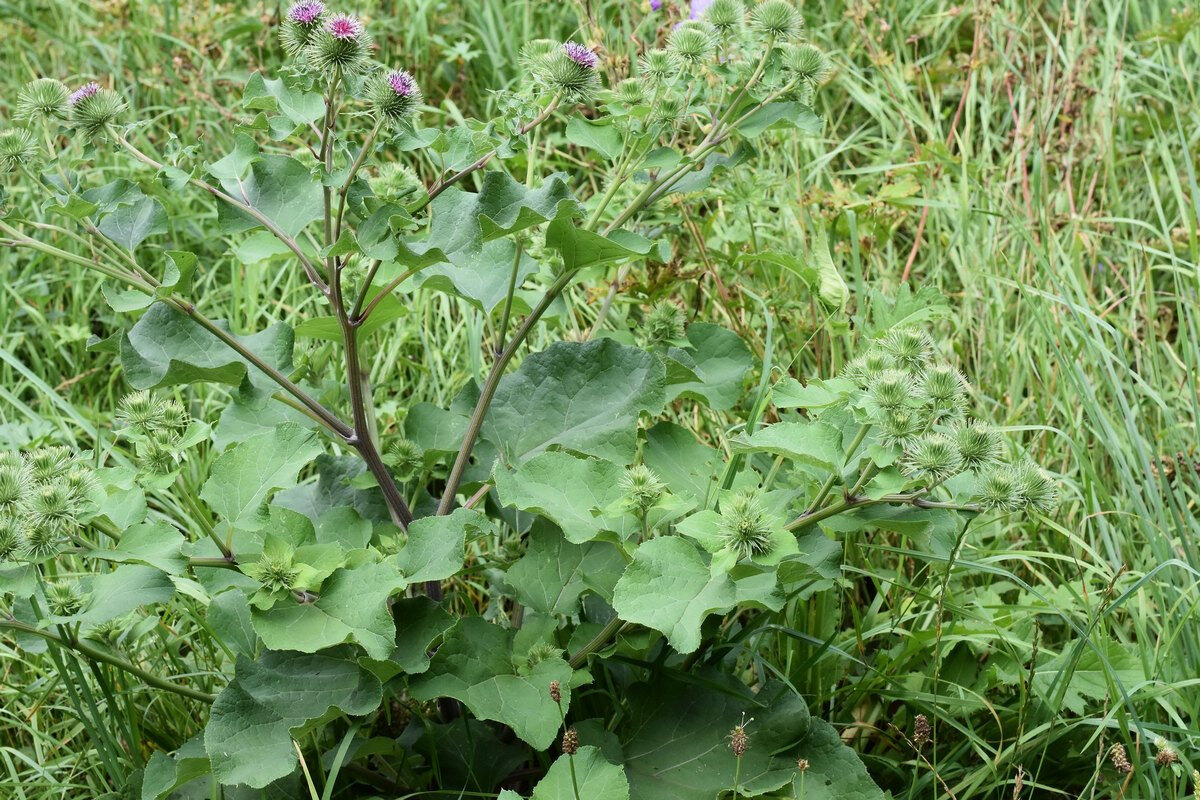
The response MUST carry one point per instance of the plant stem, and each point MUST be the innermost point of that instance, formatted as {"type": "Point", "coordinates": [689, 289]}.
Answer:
{"type": "Point", "coordinates": [116, 661]}
{"type": "Point", "coordinates": [833, 478]}
{"type": "Point", "coordinates": [599, 640]}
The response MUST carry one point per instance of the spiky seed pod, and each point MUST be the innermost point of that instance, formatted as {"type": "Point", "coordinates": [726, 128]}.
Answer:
{"type": "Point", "coordinates": [739, 740]}
{"type": "Point", "coordinates": [276, 573]}
{"type": "Point", "coordinates": [404, 456]}
{"type": "Point", "coordinates": [9, 458]}
{"type": "Point", "coordinates": [901, 427]}
{"type": "Point", "coordinates": [45, 464]}
{"type": "Point", "coordinates": [631, 91]}
{"type": "Point", "coordinates": [668, 111]}
{"type": "Point", "coordinates": [997, 489]}
{"type": "Point", "coordinates": [14, 485]}
{"type": "Point", "coordinates": [778, 19]}
{"type": "Point", "coordinates": [808, 63]}
{"type": "Point", "coordinates": [660, 66]}
{"type": "Point", "coordinates": [64, 599]}
{"type": "Point", "coordinates": [79, 482]}
{"type": "Point", "coordinates": [44, 100]}
{"type": "Point", "coordinates": [341, 43]}
{"type": "Point", "coordinates": [910, 347]}
{"type": "Point", "coordinates": [570, 742]}
{"type": "Point", "coordinates": [665, 323]}
{"type": "Point", "coordinates": [53, 504]}
{"type": "Point", "coordinates": [159, 456]}
{"type": "Point", "coordinates": [397, 182]}
{"type": "Point", "coordinates": [978, 444]}
{"type": "Point", "coordinates": [944, 389]}
{"type": "Point", "coordinates": [174, 416]}
{"type": "Point", "coordinates": [556, 691]}
{"type": "Point", "coordinates": [933, 457]}
{"type": "Point", "coordinates": [1035, 488]}
{"type": "Point", "coordinates": [725, 16]}
{"type": "Point", "coordinates": [394, 95]}
{"type": "Point", "coordinates": [693, 42]}
{"type": "Point", "coordinates": [745, 526]}
{"type": "Point", "coordinates": [891, 390]}
{"type": "Point", "coordinates": [141, 413]}
{"type": "Point", "coordinates": [1120, 759]}
{"type": "Point", "coordinates": [541, 651]}
{"type": "Point", "coordinates": [302, 21]}
{"type": "Point", "coordinates": [642, 488]}
{"type": "Point", "coordinates": [868, 367]}
{"type": "Point", "coordinates": [567, 73]}
{"type": "Point", "coordinates": [18, 148]}
{"type": "Point", "coordinates": [93, 111]}
{"type": "Point", "coordinates": [532, 53]}
{"type": "Point", "coordinates": [41, 539]}
{"type": "Point", "coordinates": [10, 537]}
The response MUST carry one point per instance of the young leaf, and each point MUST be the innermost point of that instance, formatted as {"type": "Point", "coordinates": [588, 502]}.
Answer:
{"type": "Point", "coordinates": [553, 573]}
{"type": "Point", "coordinates": [595, 778]}
{"type": "Point", "coordinates": [435, 545]}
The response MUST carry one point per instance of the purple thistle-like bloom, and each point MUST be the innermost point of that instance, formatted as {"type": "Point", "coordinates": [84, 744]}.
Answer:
{"type": "Point", "coordinates": [83, 92]}
{"type": "Point", "coordinates": [699, 7]}
{"type": "Point", "coordinates": [306, 11]}
{"type": "Point", "coordinates": [344, 26]}
{"type": "Point", "coordinates": [656, 5]}
{"type": "Point", "coordinates": [581, 55]}
{"type": "Point", "coordinates": [402, 83]}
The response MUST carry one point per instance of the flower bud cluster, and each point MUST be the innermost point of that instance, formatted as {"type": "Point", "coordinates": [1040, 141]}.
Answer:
{"type": "Point", "coordinates": [46, 494]}
{"type": "Point", "coordinates": [919, 405]}
{"type": "Point", "coordinates": [157, 428]}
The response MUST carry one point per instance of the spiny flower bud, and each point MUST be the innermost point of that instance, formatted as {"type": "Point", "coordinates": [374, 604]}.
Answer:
{"type": "Point", "coordinates": [725, 16]}
{"type": "Point", "coordinates": [901, 427]}
{"type": "Point", "coordinates": [43, 100]}
{"type": "Point", "coordinates": [642, 487]}
{"type": "Point", "coordinates": [933, 458]}
{"type": "Point", "coordinates": [1035, 488]}
{"type": "Point", "coordinates": [570, 742]}
{"type": "Point", "coordinates": [159, 456]}
{"type": "Point", "coordinates": [141, 413]}
{"type": "Point", "coordinates": [18, 148]}
{"type": "Point", "coordinates": [693, 41]}
{"type": "Point", "coordinates": [14, 484]}
{"type": "Point", "coordinates": [910, 347]}
{"type": "Point", "coordinates": [891, 390]}
{"type": "Point", "coordinates": [631, 91]}
{"type": "Point", "coordinates": [79, 482]}
{"type": "Point", "coordinates": [777, 18]}
{"type": "Point", "coordinates": [865, 369]}
{"type": "Point", "coordinates": [302, 21]}
{"type": "Point", "coordinates": [556, 691]}
{"type": "Point", "coordinates": [53, 504]}
{"type": "Point", "coordinates": [276, 573]}
{"type": "Point", "coordinates": [394, 95]}
{"type": "Point", "coordinates": [397, 182]}
{"type": "Point", "coordinates": [174, 416]}
{"type": "Point", "coordinates": [745, 526]}
{"type": "Point", "coordinates": [569, 72]}
{"type": "Point", "coordinates": [42, 539]}
{"type": "Point", "coordinates": [93, 109]}
{"type": "Point", "coordinates": [945, 390]}
{"type": "Point", "coordinates": [997, 490]}
{"type": "Point", "coordinates": [533, 51]}
{"type": "Point", "coordinates": [405, 457]}
{"type": "Point", "coordinates": [10, 537]}
{"type": "Point", "coordinates": [47, 463]}
{"type": "Point", "coordinates": [64, 599]}
{"type": "Point", "coordinates": [1120, 759]}
{"type": "Point", "coordinates": [340, 44]}
{"type": "Point", "coordinates": [541, 651]}
{"type": "Point", "coordinates": [808, 63]}
{"type": "Point", "coordinates": [668, 110]}
{"type": "Point", "coordinates": [665, 324]}
{"type": "Point", "coordinates": [660, 66]}
{"type": "Point", "coordinates": [978, 444]}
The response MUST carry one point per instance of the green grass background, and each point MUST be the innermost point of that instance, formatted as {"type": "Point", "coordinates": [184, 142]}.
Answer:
{"type": "Point", "coordinates": [1034, 163]}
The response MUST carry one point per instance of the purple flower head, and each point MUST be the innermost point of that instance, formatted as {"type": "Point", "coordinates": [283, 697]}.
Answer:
{"type": "Point", "coordinates": [344, 26]}
{"type": "Point", "coordinates": [83, 93]}
{"type": "Point", "coordinates": [656, 5]}
{"type": "Point", "coordinates": [402, 83]}
{"type": "Point", "coordinates": [306, 11]}
{"type": "Point", "coordinates": [581, 55]}
{"type": "Point", "coordinates": [699, 7]}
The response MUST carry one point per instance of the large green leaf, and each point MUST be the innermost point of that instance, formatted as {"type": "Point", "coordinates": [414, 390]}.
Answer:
{"type": "Point", "coordinates": [155, 544]}
{"type": "Point", "coordinates": [420, 622]}
{"type": "Point", "coordinates": [129, 225]}
{"type": "Point", "coordinates": [604, 137]}
{"type": "Point", "coordinates": [244, 475]}
{"type": "Point", "coordinates": [435, 545]}
{"type": "Point", "coordinates": [583, 397]}
{"type": "Point", "coordinates": [687, 466]}
{"type": "Point", "coordinates": [475, 665]}
{"type": "Point", "coordinates": [116, 593]}
{"type": "Point", "coordinates": [809, 442]}
{"type": "Point", "coordinates": [778, 115]}
{"type": "Point", "coordinates": [250, 728]}
{"type": "Point", "coordinates": [719, 358]}
{"type": "Point", "coordinates": [352, 607]}
{"type": "Point", "coordinates": [166, 348]}
{"type": "Point", "coordinates": [669, 588]}
{"type": "Point", "coordinates": [566, 489]}
{"type": "Point", "coordinates": [589, 774]}
{"type": "Point", "coordinates": [278, 187]}
{"type": "Point", "coordinates": [553, 573]}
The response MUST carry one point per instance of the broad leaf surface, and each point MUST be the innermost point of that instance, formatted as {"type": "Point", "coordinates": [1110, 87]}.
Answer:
{"type": "Point", "coordinates": [595, 778]}
{"type": "Point", "coordinates": [553, 573]}
{"type": "Point", "coordinates": [566, 489]}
